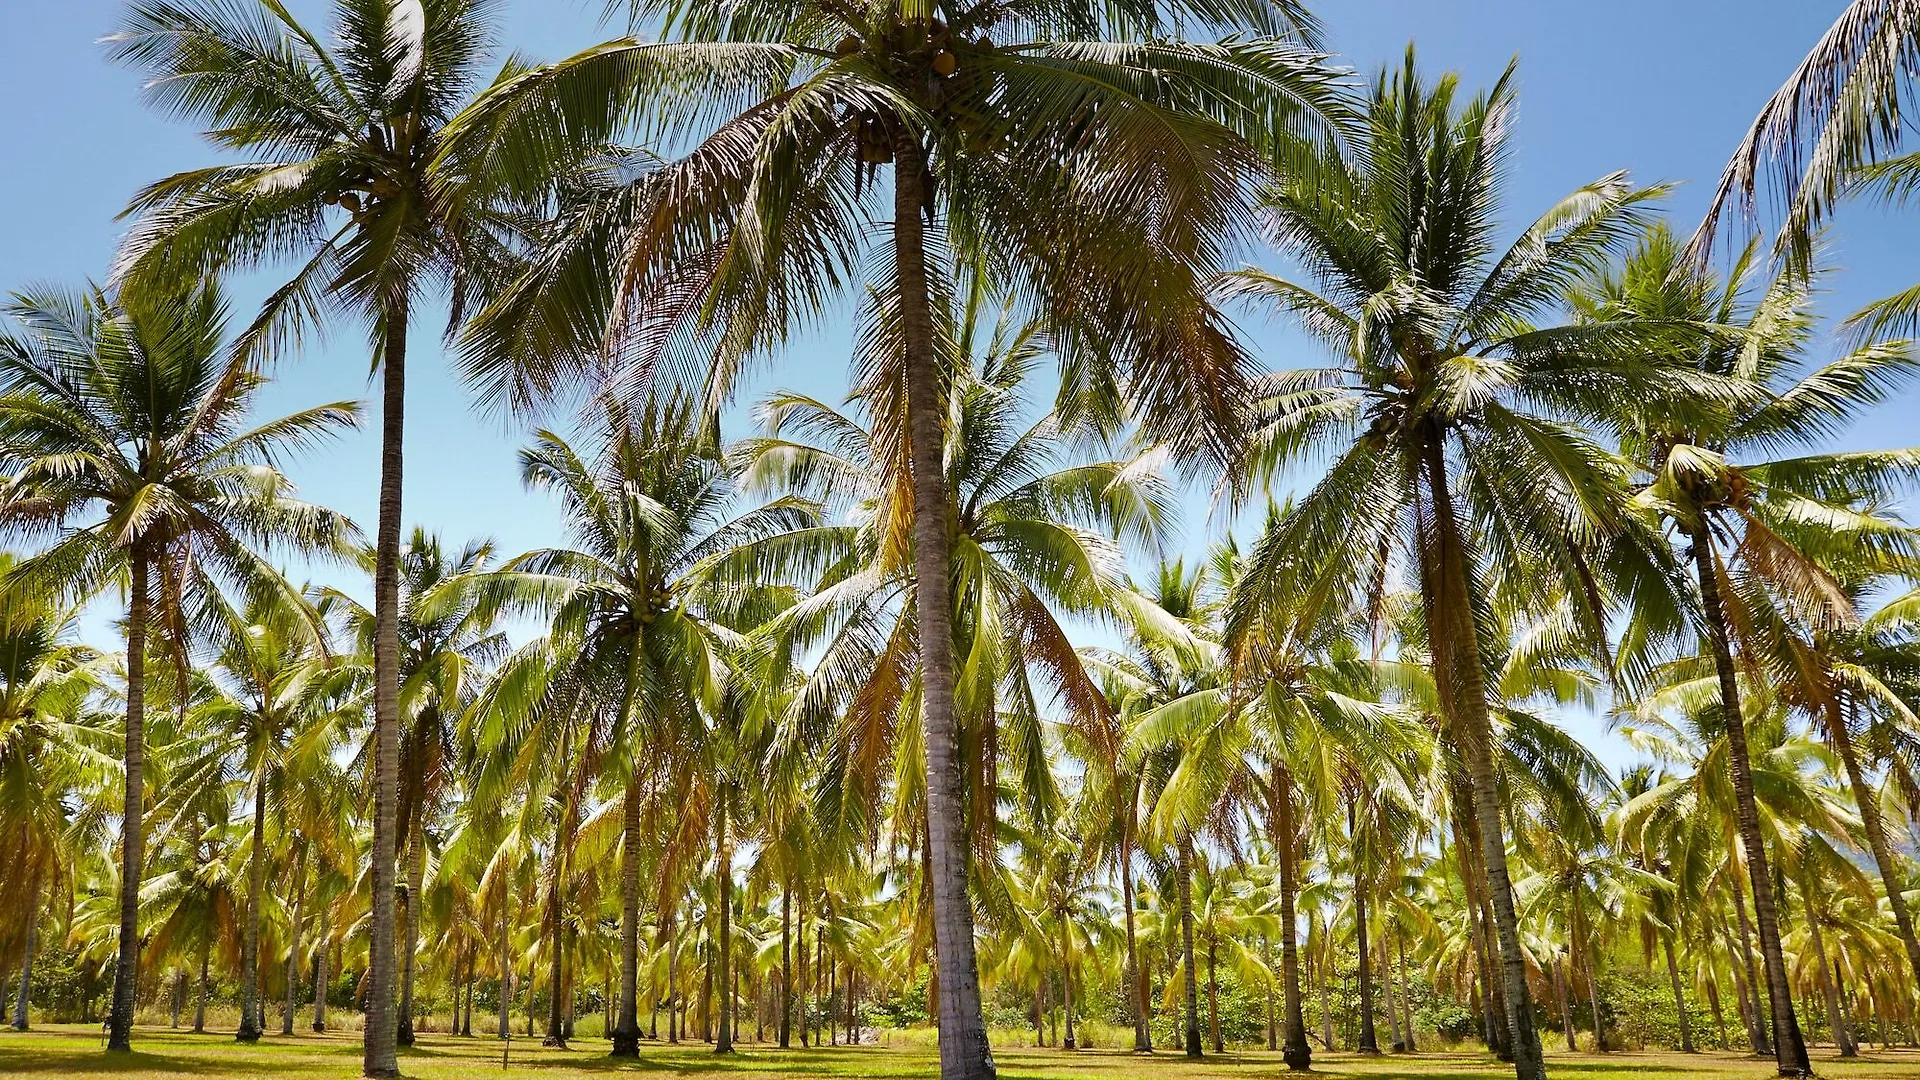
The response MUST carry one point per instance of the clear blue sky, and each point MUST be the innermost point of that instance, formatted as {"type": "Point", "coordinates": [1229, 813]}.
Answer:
{"type": "Point", "coordinates": [1660, 87]}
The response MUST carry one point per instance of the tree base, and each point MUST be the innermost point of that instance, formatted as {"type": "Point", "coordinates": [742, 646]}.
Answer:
{"type": "Point", "coordinates": [1298, 1058]}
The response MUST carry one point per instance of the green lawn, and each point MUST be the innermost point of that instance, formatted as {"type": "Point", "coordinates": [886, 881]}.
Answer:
{"type": "Point", "coordinates": [75, 1051]}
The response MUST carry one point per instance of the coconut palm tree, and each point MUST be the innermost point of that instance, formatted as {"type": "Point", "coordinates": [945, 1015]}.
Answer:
{"type": "Point", "coordinates": [1445, 405]}
{"type": "Point", "coordinates": [53, 753]}
{"type": "Point", "coordinates": [1720, 479]}
{"type": "Point", "coordinates": [268, 717]}
{"type": "Point", "coordinates": [1041, 154]}
{"type": "Point", "coordinates": [667, 571]}
{"type": "Point", "coordinates": [123, 428]}
{"type": "Point", "coordinates": [342, 175]}
{"type": "Point", "coordinates": [447, 636]}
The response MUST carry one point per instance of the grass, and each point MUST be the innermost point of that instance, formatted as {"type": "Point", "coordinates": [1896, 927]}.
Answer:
{"type": "Point", "coordinates": [74, 1051]}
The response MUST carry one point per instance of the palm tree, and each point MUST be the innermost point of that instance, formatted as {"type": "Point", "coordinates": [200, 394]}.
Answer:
{"type": "Point", "coordinates": [1437, 413]}
{"type": "Point", "coordinates": [347, 180]}
{"type": "Point", "coordinates": [666, 573]}
{"type": "Point", "coordinates": [447, 636]}
{"type": "Point", "coordinates": [1040, 155]}
{"type": "Point", "coordinates": [133, 413]}
{"type": "Point", "coordinates": [51, 757]}
{"type": "Point", "coordinates": [1702, 477]}
{"type": "Point", "coordinates": [269, 717]}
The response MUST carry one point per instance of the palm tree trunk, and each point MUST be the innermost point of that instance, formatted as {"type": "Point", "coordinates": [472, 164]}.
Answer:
{"type": "Point", "coordinates": [320, 973]}
{"type": "Point", "coordinates": [1185, 873]}
{"type": "Point", "coordinates": [1297, 1054]}
{"type": "Point", "coordinates": [1560, 979]}
{"type": "Point", "coordinates": [379, 1057]}
{"type": "Point", "coordinates": [1136, 973]}
{"type": "Point", "coordinates": [126, 969]}
{"type": "Point", "coordinates": [723, 884]}
{"type": "Point", "coordinates": [1398, 1041]}
{"type": "Point", "coordinates": [1369, 1039]}
{"type": "Point", "coordinates": [250, 1025]}
{"type": "Point", "coordinates": [20, 999]}
{"type": "Point", "coordinates": [964, 1053]}
{"type": "Point", "coordinates": [294, 928]}
{"type": "Point", "coordinates": [626, 1027]}
{"type": "Point", "coordinates": [1826, 979]}
{"type": "Point", "coordinates": [504, 962]}
{"type": "Point", "coordinates": [556, 973]}
{"type": "Point", "coordinates": [1789, 1049]}
{"type": "Point", "coordinates": [177, 996]}
{"type": "Point", "coordinates": [1869, 804]}
{"type": "Point", "coordinates": [1458, 669]}
{"type": "Point", "coordinates": [1719, 1014]}
{"type": "Point", "coordinates": [1066, 977]}
{"type": "Point", "coordinates": [1743, 979]}
{"type": "Point", "coordinates": [1406, 997]}
{"type": "Point", "coordinates": [1325, 954]}
{"type": "Point", "coordinates": [673, 982]}
{"type": "Point", "coordinates": [1593, 996]}
{"type": "Point", "coordinates": [1213, 996]}
{"type": "Point", "coordinates": [411, 914]}
{"type": "Point", "coordinates": [206, 989]}
{"type": "Point", "coordinates": [1679, 996]}
{"type": "Point", "coordinates": [786, 966]}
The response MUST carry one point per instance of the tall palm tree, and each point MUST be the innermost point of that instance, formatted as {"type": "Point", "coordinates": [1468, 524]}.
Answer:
{"type": "Point", "coordinates": [447, 636]}
{"type": "Point", "coordinates": [269, 720]}
{"type": "Point", "coordinates": [1718, 479]}
{"type": "Point", "coordinates": [52, 753]}
{"type": "Point", "coordinates": [1042, 154]}
{"type": "Point", "coordinates": [1444, 411]}
{"type": "Point", "coordinates": [665, 573]}
{"type": "Point", "coordinates": [343, 176]}
{"type": "Point", "coordinates": [123, 429]}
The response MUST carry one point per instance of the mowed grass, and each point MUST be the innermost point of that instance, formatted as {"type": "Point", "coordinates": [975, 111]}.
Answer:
{"type": "Point", "coordinates": [63, 1051]}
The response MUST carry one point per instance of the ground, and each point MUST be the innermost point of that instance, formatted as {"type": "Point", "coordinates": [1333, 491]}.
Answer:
{"type": "Point", "coordinates": [62, 1051]}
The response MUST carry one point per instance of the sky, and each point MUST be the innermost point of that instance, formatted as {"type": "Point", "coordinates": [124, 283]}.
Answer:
{"type": "Point", "coordinates": [1663, 88]}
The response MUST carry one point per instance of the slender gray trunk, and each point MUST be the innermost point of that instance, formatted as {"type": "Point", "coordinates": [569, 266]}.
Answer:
{"type": "Point", "coordinates": [1398, 1043]}
{"type": "Point", "coordinates": [1286, 842]}
{"type": "Point", "coordinates": [1369, 1039]}
{"type": "Point", "coordinates": [1136, 972]}
{"type": "Point", "coordinates": [1789, 1049]}
{"type": "Point", "coordinates": [786, 966]}
{"type": "Point", "coordinates": [206, 989]}
{"type": "Point", "coordinates": [21, 1001]}
{"type": "Point", "coordinates": [1679, 995]}
{"type": "Point", "coordinates": [294, 930]}
{"type": "Point", "coordinates": [1463, 690]}
{"type": "Point", "coordinates": [1827, 990]}
{"type": "Point", "coordinates": [1868, 802]}
{"type": "Point", "coordinates": [964, 1053]}
{"type": "Point", "coordinates": [1560, 978]}
{"type": "Point", "coordinates": [126, 970]}
{"type": "Point", "coordinates": [1185, 871]}
{"type": "Point", "coordinates": [410, 915]}
{"type": "Point", "coordinates": [251, 1024]}
{"type": "Point", "coordinates": [626, 1027]}
{"type": "Point", "coordinates": [320, 972]}
{"type": "Point", "coordinates": [380, 1056]}
{"type": "Point", "coordinates": [723, 886]}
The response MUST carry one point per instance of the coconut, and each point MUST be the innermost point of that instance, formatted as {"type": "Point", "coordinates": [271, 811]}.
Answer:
{"type": "Point", "coordinates": [945, 63]}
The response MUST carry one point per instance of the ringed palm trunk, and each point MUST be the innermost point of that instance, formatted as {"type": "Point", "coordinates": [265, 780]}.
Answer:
{"type": "Point", "coordinates": [1457, 669]}
{"type": "Point", "coordinates": [1369, 1039]}
{"type": "Point", "coordinates": [964, 1053]}
{"type": "Point", "coordinates": [1295, 1051]}
{"type": "Point", "coordinates": [250, 1025]}
{"type": "Point", "coordinates": [379, 1057]}
{"type": "Point", "coordinates": [1876, 829]}
{"type": "Point", "coordinates": [1066, 977]}
{"type": "Point", "coordinates": [1826, 980]}
{"type": "Point", "coordinates": [1789, 1049]}
{"type": "Point", "coordinates": [723, 884]}
{"type": "Point", "coordinates": [1213, 995]}
{"type": "Point", "coordinates": [298, 924]}
{"type": "Point", "coordinates": [126, 969]}
{"type": "Point", "coordinates": [1560, 978]}
{"type": "Point", "coordinates": [1136, 974]}
{"type": "Point", "coordinates": [320, 974]}
{"type": "Point", "coordinates": [206, 988]}
{"type": "Point", "coordinates": [626, 1028]}
{"type": "Point", "coordinates": [1185, 871]}
{"type": "Point", "coordinates": [20, 1000]}
{"type": "Point", "coordinates": [786, 966]}
{"type": "Point", "coordinates": [1679, 995]}
{"type": "Point", "coordinates": [411, 914]}
{"type": "Point", "coordinates": [504, 961]}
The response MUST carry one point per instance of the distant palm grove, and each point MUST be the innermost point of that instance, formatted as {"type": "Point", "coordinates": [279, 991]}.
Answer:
{"type": "Point", "coordinates": [923, 708]}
